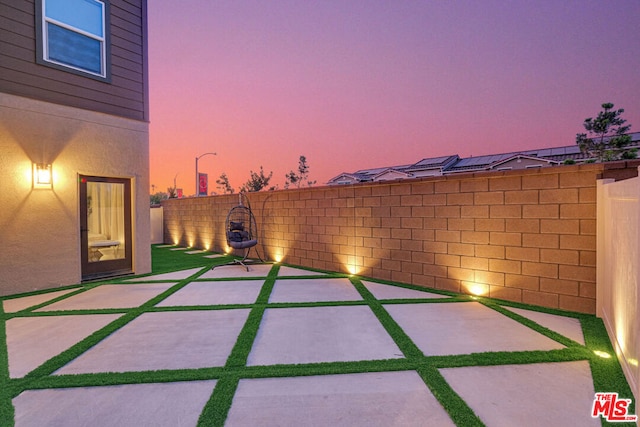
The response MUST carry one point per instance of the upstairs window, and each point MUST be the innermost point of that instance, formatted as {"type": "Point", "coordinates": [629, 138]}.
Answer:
{"type": "Point", "coordinates": [74, 35]}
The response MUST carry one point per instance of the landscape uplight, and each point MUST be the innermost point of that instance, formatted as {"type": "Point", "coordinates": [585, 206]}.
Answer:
{"type": "Point", "coordinates": [602, 354]}
{"type": "Point", "coordinates": [477, 289]}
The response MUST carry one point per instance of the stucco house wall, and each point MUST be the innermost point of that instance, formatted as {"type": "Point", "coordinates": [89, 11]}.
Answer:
{"type": "Point", "coordinates": [39, 228]}
{"type": "Point", "coordinates": [78, 122]}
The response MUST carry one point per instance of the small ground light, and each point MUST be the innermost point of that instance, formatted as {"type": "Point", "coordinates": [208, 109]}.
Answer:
{"type": "Point", "coordinates": [602, 354]}
{"type": "Point", "coordinates": [477, 289]}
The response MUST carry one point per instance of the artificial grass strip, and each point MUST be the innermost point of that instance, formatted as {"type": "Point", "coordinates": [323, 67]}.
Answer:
{"type": "Point", "coordinates": [456, 407]}
{"type": "Point", "coordinates": [164, 260]}
{"type": "Point", "coordinates": [267, 287]}
{"type": "Point", "coordinates": [606, 372]}
{"type": "Point", "coordinates": [215, 412]}
{"type": "Point", "coordinates": [7, 412]}
{"type": "Point", "coordinates": [532, 324]}
{"type": "Point", "coordinates": [508, 358]}
{"type": "Point", "coordinates": [244, 342]}
{"type": "Point", "coordinates": [402, 340]}
{"type": "Point", "coordinates": [328, 368]}
{"type": "Point", "coordinates": [78, 312]}
{"type": "Point", "coordinates": [4, 351]}
{"type": "Point", "coordinates": [48, 302]}
{"type": "Point", "coordinates": [120, 378]}
{"type": "Point", "coordinates": [415, 287]}
{"type": "Point", "coordinates": [61, 359]}
{"type": "Point", "coordinates": [198, 307]}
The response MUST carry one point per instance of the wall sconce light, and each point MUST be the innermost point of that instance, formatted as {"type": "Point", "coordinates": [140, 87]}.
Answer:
{"type": "Point", "coordinates": [42, 177]}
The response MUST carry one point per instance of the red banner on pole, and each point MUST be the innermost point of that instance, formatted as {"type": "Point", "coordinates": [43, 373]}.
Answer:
{"type": "Point", "coordinates": [203, 184]}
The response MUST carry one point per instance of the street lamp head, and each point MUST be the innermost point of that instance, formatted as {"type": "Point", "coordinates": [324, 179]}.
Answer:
{"type": "Point", "coordinates": [205, 154]}
{"type": "Point", "coordinates": [197, 175]}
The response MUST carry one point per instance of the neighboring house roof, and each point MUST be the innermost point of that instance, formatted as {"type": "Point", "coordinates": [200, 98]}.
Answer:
{"type": "Point", "coordinates": [345, 178]}
{"type": "Point", "coordinates": [533, 161]}
{"type": "Point", "coordinates": [444, 165]}
{"type": "Point", "coordinates": [376, 171]}
{"type": "Point", "coordinates": [390, 174]}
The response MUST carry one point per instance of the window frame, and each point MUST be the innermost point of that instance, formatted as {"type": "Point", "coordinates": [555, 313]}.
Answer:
{"type": "Point", "coordinates": [42, 43]}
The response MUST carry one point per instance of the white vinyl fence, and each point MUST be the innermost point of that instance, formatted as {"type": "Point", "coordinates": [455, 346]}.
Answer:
{"type": "Point", "coordinates": [618, 281]}
{"type": "Point", "coordinates": [157, 225]}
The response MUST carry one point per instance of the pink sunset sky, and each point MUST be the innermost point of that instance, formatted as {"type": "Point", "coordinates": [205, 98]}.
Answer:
{"type": "Point", "coordinates": [356, 84]}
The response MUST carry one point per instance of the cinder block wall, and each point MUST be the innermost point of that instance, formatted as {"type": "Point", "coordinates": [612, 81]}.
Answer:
{"type": "Point", "coordinates": [526, 236]}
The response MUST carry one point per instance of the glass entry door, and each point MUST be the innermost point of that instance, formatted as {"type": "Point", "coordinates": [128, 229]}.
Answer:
{"type": "Point", "coordinates": [105, 226]}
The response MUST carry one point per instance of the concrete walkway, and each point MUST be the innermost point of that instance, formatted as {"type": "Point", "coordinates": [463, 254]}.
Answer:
{"type": "Point", "coordinates": [171, 349]}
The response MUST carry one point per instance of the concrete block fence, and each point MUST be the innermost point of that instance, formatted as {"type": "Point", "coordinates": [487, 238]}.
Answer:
{"type": "Point", "coordinates": [525, 235]}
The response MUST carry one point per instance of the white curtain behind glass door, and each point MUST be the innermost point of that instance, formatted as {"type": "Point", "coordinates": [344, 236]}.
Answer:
{"type": "Point", "coordinates": [105, 215]}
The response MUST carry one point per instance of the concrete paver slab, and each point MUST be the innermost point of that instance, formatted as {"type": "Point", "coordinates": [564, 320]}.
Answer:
{"type": "Point", "coordinates": [465, 327]}
{"type": "Point", "coordinates": [31, 341]}
{"type": "Point", "coordinates": [162, 404]}
{"type": "Point", "coordinates": [314, 290]}
{"type": "Point", "coordinates": [173, 276]}
{"type": "Point", "coordinates": [321, 334]}
{"type": "Point", "coordinates": [213, 256]}
{"type": "Point", "coordinates": [165, 340]}
{"type": "Point", "coordinates": [542, 394]}
{"type": "Point", "coordinates": [291, 271]}
{"type": "Point", "coordinates": [567, 326]}
{"type": "Point", "coordinates": [382, 291]}
{"type": "Point", "coordinates": [216, 293]}
{"type": "Point", "coordinates": [369, 399]}
{"type": "Point", "coordinates": [110, 296]}
{"type": "Point", "coordinates": [17, 304]}
{"type": "Point", "coordinates": [238, 271]}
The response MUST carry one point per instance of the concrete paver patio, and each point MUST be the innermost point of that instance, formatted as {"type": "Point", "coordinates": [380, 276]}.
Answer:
{"type": "Point", "coordinates": [280, 345]}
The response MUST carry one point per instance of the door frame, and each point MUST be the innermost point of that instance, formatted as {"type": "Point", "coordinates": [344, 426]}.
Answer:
{"type": "Point", "coordinates": [108, 268]}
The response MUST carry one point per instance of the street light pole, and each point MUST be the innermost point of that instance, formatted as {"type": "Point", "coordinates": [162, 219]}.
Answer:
{"type": "Point", "coordinates": [197, 180]}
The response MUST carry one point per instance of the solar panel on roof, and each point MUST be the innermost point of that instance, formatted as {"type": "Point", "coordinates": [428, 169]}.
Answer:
{"type": "Point", "coordinates": [573, 150]}
{"type": "Point", "coordinates": [370, 171]}
{"type": "Point", "coordinates": [498, 157]}
{"type": "Point", "coordinates": [432, 161]}
{"type": "Point", "coordinates": [473, 161]}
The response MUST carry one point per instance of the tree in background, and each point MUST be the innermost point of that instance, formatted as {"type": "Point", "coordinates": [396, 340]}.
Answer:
{"type": "Point", "coordinates": [172, 192]}
{"type": "Point", "coordinates": [223, 184]}
{"type": "Point", "coordinates": [156, 198]}
{"type": "Point", "coordinates": [257, 181]}
{"type": "Point", "coordinates": [299, 178]}
{"type": "Point", "coordinates": [605, 138]}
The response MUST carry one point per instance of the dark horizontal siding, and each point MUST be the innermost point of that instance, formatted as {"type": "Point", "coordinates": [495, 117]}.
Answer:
{"type": "Point", "coordinates": [64, 93]}
{"type": "Point", "coordinates": [13, 59]}
{"type": "Point", "coordinates": [126, 95]}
